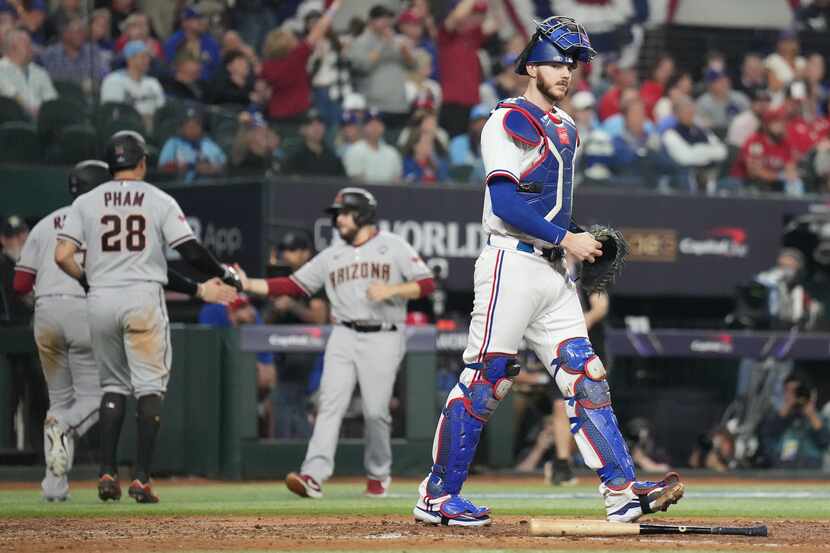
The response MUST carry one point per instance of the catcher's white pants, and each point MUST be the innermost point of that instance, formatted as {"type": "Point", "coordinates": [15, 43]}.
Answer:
{"type": "Point", "coordinates": [521, 295]}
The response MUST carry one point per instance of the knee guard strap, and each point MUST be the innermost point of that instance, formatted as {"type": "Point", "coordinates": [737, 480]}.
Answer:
{"type": "Point", "coordinates": [593, 423]}
{"type": "Point", "coordinates": [482, 387]}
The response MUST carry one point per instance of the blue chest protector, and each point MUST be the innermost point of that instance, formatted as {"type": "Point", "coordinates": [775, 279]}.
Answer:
{"type": "Point", "coordinates": [547, 186]}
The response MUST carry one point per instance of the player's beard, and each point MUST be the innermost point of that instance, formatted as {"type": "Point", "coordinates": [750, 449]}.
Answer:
{"type": "Point", "coordinates": [550, 90]}
{"type": "Point", "coordinates": [348, 235]}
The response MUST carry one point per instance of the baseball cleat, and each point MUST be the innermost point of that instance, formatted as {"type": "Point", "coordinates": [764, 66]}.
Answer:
{"type": "Point", "coordinates": [142, 493]}
{"type": "Point", "coordinates": [55, 488]}
{"type": "Point", "coordinates": [303, 485]}
{"type": "Point", "coordinates": [58, 449]}
{"type": "Point", "coordinates": [636, 499]}
{"type": "Point", "coordinates": [108, 488]}
{"type": "Point", "coordinates": [559, 473]}
{"type": "Point", "coordinates": [452, 510]}
{"type": "Point", "coordinates": [377, 488]}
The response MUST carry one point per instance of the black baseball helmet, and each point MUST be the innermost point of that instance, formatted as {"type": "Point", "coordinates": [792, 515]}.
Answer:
{"type": "Point", "coordinates": [125, 150]}
{"type": "Point", "coordinates": [87, 175]}
{"type": "Point", "coordinates": [359, 200]}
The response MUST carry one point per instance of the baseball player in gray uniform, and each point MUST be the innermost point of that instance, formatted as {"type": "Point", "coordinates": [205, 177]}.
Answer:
{"type": "Point", "coordinates": [369, 276]}
{"type": "Point", "coordinates": [126, 224]}
{"type": "Point", "coordinates": [62, 334]}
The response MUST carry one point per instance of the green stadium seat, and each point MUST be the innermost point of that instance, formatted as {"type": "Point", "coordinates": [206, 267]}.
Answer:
{"type": "Point", "coordinates": [461, 173]}
{"type": "Point", "coordinates": [10, 110]}
{"type": "Point", "coordinates": [57, 114]}
{"type": "Point", "coordinates": [112, 117]}
{"type": "Point", "coordinates": [19, 142]}
{"type": "Point", "coordinates": [73, 144]}
{"type": "Point", "coordinates": [71, 90]}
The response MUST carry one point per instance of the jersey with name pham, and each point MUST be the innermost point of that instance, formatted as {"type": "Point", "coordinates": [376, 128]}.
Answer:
{"type": "Point", "coordinates": [38, 258]}
{"type": "Point", "coordinates": [501, 154]}
{"type": "Point", "coordinates": [126, 226]}
{"type": "Point", "coordinates": [347, 271]}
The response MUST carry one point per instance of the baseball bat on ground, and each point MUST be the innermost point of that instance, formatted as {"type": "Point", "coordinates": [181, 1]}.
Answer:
{"type": "Point", "coordinates": [560, 527]}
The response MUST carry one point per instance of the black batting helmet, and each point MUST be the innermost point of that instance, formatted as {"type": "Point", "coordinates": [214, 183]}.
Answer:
{"type": "Point", "coordinates": [87, 175]}
{"type": "Point", "coordinates": [125, 150]}
{"type": "Point", "coordinates": [359, 200]}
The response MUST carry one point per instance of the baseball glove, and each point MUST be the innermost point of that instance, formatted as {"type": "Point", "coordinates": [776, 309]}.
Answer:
{"type": "Point", "coordinates": [600, 275]}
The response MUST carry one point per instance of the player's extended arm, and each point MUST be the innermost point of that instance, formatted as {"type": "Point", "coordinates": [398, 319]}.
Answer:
{"type": "Point", "coordinates": [210, 291]}
{"type": "Point", "coordinates": [202, 260]}
{"type": "Point", "coordinates": [411, 290]}
{"type": "Point", "coordinates": [512, 209]}
{"type": "Point", "coordinates": [65, 258]}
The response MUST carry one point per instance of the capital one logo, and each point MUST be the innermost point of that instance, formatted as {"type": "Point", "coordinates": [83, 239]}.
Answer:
{"type": "Point", "coordinates": [719, 241]}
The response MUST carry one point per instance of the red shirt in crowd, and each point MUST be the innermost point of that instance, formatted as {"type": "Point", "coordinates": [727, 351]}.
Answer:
{"type": "Point", "coordinates": [805, 135]}
{"type": "Point", "coordinates": [650, 93]}
{"type": "Point", "coordinates": [459, 66]}
{"type": "Point", "coordinates": [609, 104]}
{"type": "Point", "coordinates": [289, 82]}
{"type": "Point", "coordinates": [774, 156]}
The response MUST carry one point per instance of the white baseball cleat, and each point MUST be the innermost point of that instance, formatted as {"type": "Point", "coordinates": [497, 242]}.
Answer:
{"type": "Point", "coordinates": [635, 499]}
{"type": "Point", "coordinates": [59, 448]}
{"type": "Point", "coordinates": [55, 488]}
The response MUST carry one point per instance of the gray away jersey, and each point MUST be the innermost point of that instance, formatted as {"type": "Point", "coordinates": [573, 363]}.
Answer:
{"type": "Point", "coordinates": [38, 258]}
{"type": "Point", "coordinates": [347, 271]}
{"type": "Point", "coordinates": [126, 226]}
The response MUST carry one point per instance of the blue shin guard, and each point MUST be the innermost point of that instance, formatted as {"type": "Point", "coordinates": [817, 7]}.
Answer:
{"type": "Point", "coordinates": [581, 377]}
{"type": "Point", "coordinates": [480, 389]}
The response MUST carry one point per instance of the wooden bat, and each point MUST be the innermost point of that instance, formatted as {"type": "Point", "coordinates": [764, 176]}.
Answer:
{"type": "Point", "coordinates": [572, 527]}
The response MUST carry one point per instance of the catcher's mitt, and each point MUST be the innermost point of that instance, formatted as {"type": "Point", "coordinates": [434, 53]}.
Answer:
{"type": "Point", "coordinates": [600, 275]}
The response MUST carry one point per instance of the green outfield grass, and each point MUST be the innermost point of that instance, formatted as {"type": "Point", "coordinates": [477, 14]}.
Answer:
{"type": "Point", "coordinates": [745, 500]}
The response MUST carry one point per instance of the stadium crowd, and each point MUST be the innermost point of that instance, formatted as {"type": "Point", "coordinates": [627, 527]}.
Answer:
{"type": "Point", "coordinates": [271, 88]}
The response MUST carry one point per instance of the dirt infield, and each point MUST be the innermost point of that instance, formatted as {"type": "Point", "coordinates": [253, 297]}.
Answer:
{"type": "Point", "coordinates": [361, 534]}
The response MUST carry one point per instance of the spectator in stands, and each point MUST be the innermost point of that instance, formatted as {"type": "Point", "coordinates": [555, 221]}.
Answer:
{"type": "Point", "coordinates": [193, 38]}
{"type": "Point", "coordinates": [256, 148]}
{"type": "Point", "coordinates": [693, 151]}
{"type": "Point", "coordinates": [184, 83]}
{"type": "Point", "coordinates": [766, 161]}
{"type": "Point", "coordinates": [465, 149]}
{"type": "Point", "coordinates": [785, 64]}
{"type": "Point", "coordinates": [137, 27]}
{"type": "Point", "coordinates": [57, 20]}
{"type": "Point", "coordinates": [99, 32]}
{"type": "Point", "coordinates": [351, 131]}
{"type": "Point", "coordinates": [284, 68]}
{"type": "Point", "coordinates": [381, 60]}
{"type": "Point", "coordinates": [371, 159]}
{"type": "Point", "coordinates": [815, 77]}
{"type": "Point", "coordinates": [505, 84]}
{"type": "Point", "coordinates": [818, 168]}
{"type": "Point", "coordinates": [8, 18]}
{"type": "Point", "coordinates": [752, 75]}
{"type": "Point", "coordinates": [417, 25]}
{"type": "Point", "coordinates": [331, 78]}
{"type": "Point", "coordinates": [623, 77]}
{"type": "Point", "coordinates": [814, 16]}
{"type": "Point", "coordinates": [805, 128]}
{"type": "Point", "coordinates": [653, 89]}
{"type": "Point", "coordinates": [31, 16]}
{"type": "Point", "coordinates": [21, 79]}
{"type": "Point", "coordinates": [679, 86]}
{"type": "Point", "coordinates": [421, 91]}
{"type": "Point", "coordinates": [190, 154]}
{"type": "Point", "coordinates": [132, 85]}
{"type": "Point", "coordinates": [422, 163]}
{"type": "Point", "coordinates": [795, 436]}
{"type": "Point", "coordinates": [232, 42]}
{"type": "Point", "coordinates": [746, 123]}
{"type": "Point", "coordinates": [719, 104]}
{"type": "Point", "coordinates": [424, 122]}
{"type": "Point", "coordinates": [74, 58]}
{"type": "Point", "coordinates": [636, 148]}
{"type": "Point", "coordinates": [237, 313]}
{"type": "Point", "coordinates": [233, 83]}
{"type": "Point", "coordinates": [120, 10]}
{"type": "Point", "coordinates": [314, 157]}
{"type": "Point", "coordinates": [460, 36]}
{"type": "Point", "coordinates": [615, 125]}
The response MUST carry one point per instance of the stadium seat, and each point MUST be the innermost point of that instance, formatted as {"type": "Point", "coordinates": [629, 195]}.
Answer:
{"type": "Point", "coordinates": [57, 114]}
{"type": "Point", "coordinates": [74, 143]}
{"type": "Point", "coordinates": [461, 173]}
{"type": "Point", "coordinates": [71, 90]}
{"type": "Point", "coordinates": [10, 110]}
{"type": "Point", "coordinates": [111, 117]}
{"type": "Point", "coordinates": [166, 120]}
{"type": "Point", "coordinates": [19, 142]}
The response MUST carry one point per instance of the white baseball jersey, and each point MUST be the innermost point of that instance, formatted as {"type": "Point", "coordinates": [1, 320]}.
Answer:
{"type": "Point", "coordinates": [347, 271]}
{"type": "Point", "coordinates": [507, 156]}
{"type": "Point", "coordinates": [38, 258]}
{"type": "Point", "coordinates": [126, 226]}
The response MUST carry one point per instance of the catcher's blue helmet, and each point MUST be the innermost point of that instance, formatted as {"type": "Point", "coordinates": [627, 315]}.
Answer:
{"type": "Point", "coordinates": [557, 39]}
